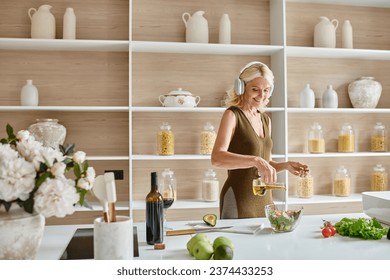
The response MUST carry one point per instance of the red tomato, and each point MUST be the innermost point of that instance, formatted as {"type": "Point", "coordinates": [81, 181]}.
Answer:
{"type": "Point", "coordinates": [333, 230]}
{"type": "Point", "coordinates": [326, 232]}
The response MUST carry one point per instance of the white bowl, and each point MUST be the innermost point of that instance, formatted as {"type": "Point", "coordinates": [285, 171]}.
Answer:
{"type": "Point", "coordinates": [377, 205]}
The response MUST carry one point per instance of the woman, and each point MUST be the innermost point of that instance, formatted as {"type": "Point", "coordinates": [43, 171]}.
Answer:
{"type": "Point", "coordinates": [244, 144]}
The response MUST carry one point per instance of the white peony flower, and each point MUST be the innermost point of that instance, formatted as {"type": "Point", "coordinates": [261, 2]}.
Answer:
{"type": "Point", "coordinates": [56, 197]}
{"type": "Point", "coordinates": [58, 169]}
{"type": "Point", "coordinates": [17, 179]}
{"type": "Point", "coordinates": [24, 135]}
{"type": "Point", "coordinates": [84, 184]}
{"type": "Point", "coordinates": [49, 155]}
{"type": "Point", "coordinates": [79, 157]}
{"type": "Point", "coordinates": [7, 153]}
{"type": "Point", "coordinates": [29, 149]}
{"type": "Point", "coordinates": [91, 175]}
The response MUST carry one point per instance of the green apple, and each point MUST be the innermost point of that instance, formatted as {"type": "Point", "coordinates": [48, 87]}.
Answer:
{"type": "Point", "coordinates": [202, 250]}
{"type": "Point", "coordinates": [222, 240]}
{"type": "Point", "coordinates": [194, 239]}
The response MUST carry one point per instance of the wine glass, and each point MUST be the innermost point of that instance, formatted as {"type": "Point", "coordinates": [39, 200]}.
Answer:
{"type": "Point", "coordinates": [168, 195]}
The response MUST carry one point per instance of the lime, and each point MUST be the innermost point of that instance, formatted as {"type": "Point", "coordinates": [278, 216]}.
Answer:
{"type": "Point", "coordinates": [223, 252]}
{"type": "Point", "coordinates": [210, 219]}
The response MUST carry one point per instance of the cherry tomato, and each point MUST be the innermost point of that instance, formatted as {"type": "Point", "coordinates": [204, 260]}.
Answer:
{"type": "Point", "coordinates": [326, 232]}
{"type": "Point", "coordinates": [333, 230]}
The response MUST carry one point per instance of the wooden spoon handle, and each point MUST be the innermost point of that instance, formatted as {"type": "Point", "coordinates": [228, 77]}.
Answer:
{"type": "Point", "coordinates": [180, 232]}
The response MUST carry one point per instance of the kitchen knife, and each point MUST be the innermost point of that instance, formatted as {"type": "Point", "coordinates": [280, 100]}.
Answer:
{"type": "Point", "coordinates": [194, 230]}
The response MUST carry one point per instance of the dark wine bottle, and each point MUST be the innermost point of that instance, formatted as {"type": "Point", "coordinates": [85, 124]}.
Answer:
{"type": "Point", "coordinates": [154, 213]}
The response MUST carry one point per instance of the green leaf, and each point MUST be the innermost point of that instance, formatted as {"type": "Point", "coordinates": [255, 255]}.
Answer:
{"type": "Point", "coordinates": [42, 179]}
{"type": "Point", "coordinates": [28, 205]}
{"type": "Point", "coordinates": [85, 166]}
{"type": "Point", "coordinates": [10, 131]}
{"type": "Point", "coordinates": [77, 170]}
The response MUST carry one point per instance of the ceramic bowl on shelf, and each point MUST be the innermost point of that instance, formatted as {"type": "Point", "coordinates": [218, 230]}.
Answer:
{"type": "Point", "coordinates": [377, 205]}
{"type": "Point", "coordinates": [283, 220]}
{"type": "Point", "coordinates": [179, 98]}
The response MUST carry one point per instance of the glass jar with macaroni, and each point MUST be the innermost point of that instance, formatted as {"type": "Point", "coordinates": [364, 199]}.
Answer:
{"type": "Point", "coordinates": [379, 138]}
{"type": "Point", "coordinates": [316, 139]}
{"type": "Point", "coordinates": [305, 186]}
{"type": "Point", "coordinates": [378, 178]}
{"type": "Point", "coordinates": [342, 182]}
{"type": "Point", "coordinates": [165, 140]}
{"type": "Point", "coordinates": [346, 141]}
{"type": "Point", "coordinates": [207, 139]}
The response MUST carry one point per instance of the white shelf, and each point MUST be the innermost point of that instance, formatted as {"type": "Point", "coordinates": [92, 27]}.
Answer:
{"type": "Point", "coordinates": [108, 157]}
{"type": "Point", "coordinates": [324, 199]}
{"type": "Point", "coordinates": [199, 48]}
{"type": "Point", "coordinates": [96, 206]}
{"type": "Point", "coordinates": [180, 157]}
{"type": "Point", "coordinates": [339, 53]}
{"type": "Point", "coordinates": [139, 109]}
{"type": "Point", "coordinates": [28, 44]}
{"type": "Point", "coordinates": [338, 110]}
{"type": "Point", "coordinates": [364, 3]}
{"type": "Point", "coordinates": [181, 204]}
{"type": "Point", "coordinates": [339, 155]}
{"type": "Point", "coordinates": [65, 108]}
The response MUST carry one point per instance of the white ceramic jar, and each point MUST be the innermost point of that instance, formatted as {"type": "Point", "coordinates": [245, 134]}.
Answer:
{"type": "Point", "coordinates": [197, 28]}
{"type": "Point", "coordinates": [325, 33]}
{"type": "Point", "coordinates": [364, 92]}
{"type": "Point", "coordinates": [307, 97]}
{"type": "Point", "coordinates": [224, 30]}
{"type": "Point", "coordinates": [330, 98]}
{"type": "Point", "coordinates": [69, 24]}
{"type": "Point", "coordinates": [43, 23]}
{"type": "Point", "coordinates": [347, 35]}
{"type": "Point", "coordinates": [29, 94]}
{"type": "Point", "coordinates": [179, 98]}
{"type": "Point", "coordinates": [49, 132]}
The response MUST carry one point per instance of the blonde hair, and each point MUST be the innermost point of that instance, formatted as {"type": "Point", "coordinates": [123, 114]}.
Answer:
{"type": "Point", "coordinates": [248, 74]}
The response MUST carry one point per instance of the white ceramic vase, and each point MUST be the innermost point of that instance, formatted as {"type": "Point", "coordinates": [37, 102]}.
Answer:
{"type": "Point", "coordinates": [69, 22]}
{"type": "Point", "coordinates": [43, 23]}
{"type": "Point", "coordinates": [225, 30]}
{"type": "Point", "coordinates": [330, 98]}
{"type": "Point", "coordinates": [49, 132]}
{"type": "Point", "coordinates": [21, 234]}
{"type": "Point", "coordinates": [325, 33]}
{"type": "Point", "coordinates": [307, 97]}
{"type": "Point", "coordinates": [364, 92]}
{"type": "Point", "coordinates": [197, 28]}
{"type": "Point", "coordinates": [347, 35]}
{"type": "Point", "coordinates": [29, 94]}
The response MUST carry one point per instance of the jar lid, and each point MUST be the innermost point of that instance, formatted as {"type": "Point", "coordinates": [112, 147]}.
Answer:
{"type": "Point", "coordinates": [167, 172]}
{"type": "Point", "coordinates": [208, 126]}
{"type": "Point", "coordinates": [210, 173]}
{"type": "Point", "coordinates": [179, 91]}
{"type": "Point", "coordinates": [342, 170]}
{"type": "Point", "coordinates": [379, 125]}
{"type": "Point", "coordinates": [165, 125]}
{"type": "Point", "coordinates": [316, 125]}
{"type": "Point", "coordinates": [379, 167]}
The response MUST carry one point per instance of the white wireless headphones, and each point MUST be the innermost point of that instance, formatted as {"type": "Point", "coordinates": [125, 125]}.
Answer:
{"type": "Point", "coordinates": [239, 85]}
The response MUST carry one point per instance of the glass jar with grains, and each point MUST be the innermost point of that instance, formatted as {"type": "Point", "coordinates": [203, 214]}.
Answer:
{"type": "Point", "coordinates": [210, 186]}
{"type": "Point", "coordinates": [165, 140]}
{"type": "Point", "coordinates": [379, 138]}
{"type": "Point", "coordinates": [169, 178]}
{"type": "Point", "coordinates": [346, 143]}
{"type": "Point", "coordinates": [342, 182]}
{"type": "Point", "coordinates": [207, 139]}
{"type": "Point", "coordinates": [378, 178]}
{"type": "Point", "coordinates": [316, 139]}
{"type": "Point", "coordinates": [305, 186]}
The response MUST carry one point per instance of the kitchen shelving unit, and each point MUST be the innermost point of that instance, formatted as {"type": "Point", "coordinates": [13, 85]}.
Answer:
{"type": "Point", "coordinates": [130, 52]}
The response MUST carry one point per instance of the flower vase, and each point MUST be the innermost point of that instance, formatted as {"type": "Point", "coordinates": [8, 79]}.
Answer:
{"type": "Point", "coordinates": [21, 234]}
{"type": "Point", "coordinates": [49, 132]}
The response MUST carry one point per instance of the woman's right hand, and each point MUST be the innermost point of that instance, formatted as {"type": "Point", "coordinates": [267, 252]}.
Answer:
{"type": "Point", "coordinates": [265, 170]}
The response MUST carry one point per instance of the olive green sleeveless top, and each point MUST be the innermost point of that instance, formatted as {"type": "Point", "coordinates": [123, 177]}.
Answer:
{"type": "Point", "coordinates": [237, 199]}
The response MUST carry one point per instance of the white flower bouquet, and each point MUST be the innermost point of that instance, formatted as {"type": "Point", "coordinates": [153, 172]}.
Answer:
{"type": "Point", "coordinates": [34, 176]}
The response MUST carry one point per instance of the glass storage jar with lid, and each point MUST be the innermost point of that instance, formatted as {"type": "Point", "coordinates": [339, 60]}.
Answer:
{"type": "Point", "coordinates": [210, 186]}
{"type": "Point", "coordinates": [378, 178]}
{"type": "Point", "coordinates": [169, 178]}
{"type": "Point", "coordinates": [165, 140]}
{"type": "Point", "coordinates": [305, 186]}
{"type": "Point", "coordinates": [379, 138]}
{"type": "Point", "coordinates": [207, 139]}
{"type": "Point", "coordinates": [346, 141]}
{"type": "Point", "coordinates": [316, 139]}
{"type": "Point", "coordinates": [342, 182]}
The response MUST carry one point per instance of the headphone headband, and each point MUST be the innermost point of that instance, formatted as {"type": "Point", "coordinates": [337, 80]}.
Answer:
{"type": "Point", "coordinates": [239, 84]}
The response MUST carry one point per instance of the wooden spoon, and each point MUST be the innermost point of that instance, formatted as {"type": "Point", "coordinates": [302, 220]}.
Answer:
{"type": "Point", "coordinates": [99, 190]}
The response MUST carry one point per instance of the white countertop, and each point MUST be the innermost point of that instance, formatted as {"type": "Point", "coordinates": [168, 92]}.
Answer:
{"type": "Point", "coordinates": [304, 243]}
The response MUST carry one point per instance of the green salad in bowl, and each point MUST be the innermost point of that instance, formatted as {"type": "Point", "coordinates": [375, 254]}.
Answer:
{"type": "Point", "coordinates": [283, 221]}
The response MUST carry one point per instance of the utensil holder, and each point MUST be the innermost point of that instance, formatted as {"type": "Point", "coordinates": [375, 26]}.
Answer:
{"type": "Point", "coordinates": [113, 241]}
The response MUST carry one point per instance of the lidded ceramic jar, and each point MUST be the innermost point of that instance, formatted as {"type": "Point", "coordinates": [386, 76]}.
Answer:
{"type": "Point", "coordinates": [346, 141]}
{"type": "Point", "coordinates": [379, 178]}
{"type": "Point", "coordinates": [365, 92]}
{"type": "Point", "coordinates": [210, 186]}
{"type": "Point", "coordinates": [179, 98]}
{"type": "Point", "coordinates": [169, 178]}
{"type": "Point", "coordinates": [342, 182]}
{"type": "Point", "coordinates": [207, 139]}
{"type": "Point", "coordinates": [379, 138]}
{"type": "Point", "coordinates": [316, 139]}
{"type": "Point", "coordinates": [49, 132]}
{"type": "Point", "coordinates": [165, 140]}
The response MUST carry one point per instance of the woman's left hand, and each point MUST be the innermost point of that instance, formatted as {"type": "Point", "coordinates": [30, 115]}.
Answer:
{"type": "Point", "coordinates": [297, 168]}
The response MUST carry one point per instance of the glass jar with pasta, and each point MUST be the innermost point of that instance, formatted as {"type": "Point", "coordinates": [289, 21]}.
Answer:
{"type": "Point", "coordinates": [165, 140]}
{"type": "Point", "coordinates": [342, 182]}
{"type": "Point", "coordinates": [378, 178]}
{"type": "Point", "coordinates": [379, 138]}
{"type": "Point", "coordinates": [305, 186]}
{"type": "Point", "coordinates": [316, 139]}
{"type": "Point", "coordinates": [207, 139]}
{"type": "Point", "coordinates": [346, 141]}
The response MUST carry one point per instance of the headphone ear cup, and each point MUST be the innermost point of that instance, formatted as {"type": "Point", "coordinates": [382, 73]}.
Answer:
{"type": "Point", "coordinates": [239, 86]}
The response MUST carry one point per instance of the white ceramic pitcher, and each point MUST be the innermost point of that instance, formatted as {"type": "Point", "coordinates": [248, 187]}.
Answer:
{"type": "Point", "coordinates": [197, 29]}
{"type": "Point", "coordinates": [325, 33]}
{"type": "Point", "coordinates": [43, 23]}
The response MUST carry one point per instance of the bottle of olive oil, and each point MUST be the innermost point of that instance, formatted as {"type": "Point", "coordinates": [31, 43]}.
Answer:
{"type": "Point", "coordinates": [154, 213]}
